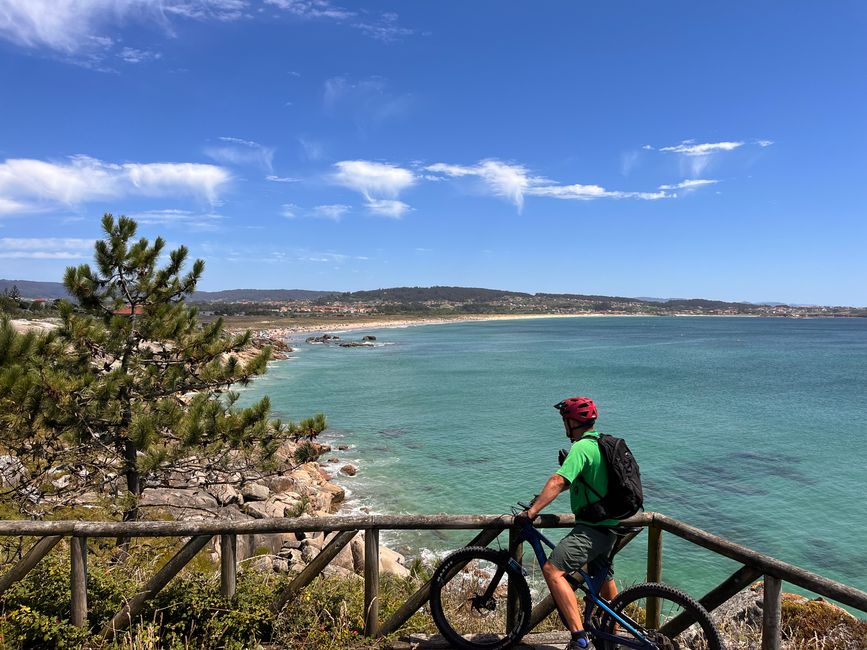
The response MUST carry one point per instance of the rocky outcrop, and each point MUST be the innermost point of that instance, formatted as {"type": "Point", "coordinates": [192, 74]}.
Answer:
{"type": "Point", "coordinates": [305, 491]}
{"type": "Point", "coordinates": [322, 338]}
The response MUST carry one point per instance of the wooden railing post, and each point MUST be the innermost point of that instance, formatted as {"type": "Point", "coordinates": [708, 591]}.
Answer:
{"type": "Point", "coordinates": [313, 569]}
{"type": "Point", "coordinates": [228, 564]}
{"type": "Point", "coordinates": [371, 581]}
{"type": "Point", "coordinates": [654, 572]}
{"type": "Point", "coordinates": [170, 569]}
{"type": "Point", "coordinates": [78, 552]}
{"type": "Point", "coordinates": [517, 553]}
{"type": "Point", "coordinates": [36, 553]}
{"type": "Point", "coordinates": [771, 612]}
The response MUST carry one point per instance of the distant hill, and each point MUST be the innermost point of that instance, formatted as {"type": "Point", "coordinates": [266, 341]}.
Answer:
{"type": "Point", "coordinates": [53, 290]}
{"type": "Point", "coordinates": [258, 295]}
{"type": "Point", "coordinates": [420, 294]}
{"type": "Point", "coordinates": [30, 289]}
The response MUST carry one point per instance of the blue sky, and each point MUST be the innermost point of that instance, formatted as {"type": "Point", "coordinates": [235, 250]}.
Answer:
{"type": "Point", "coordinates": [664, 149]}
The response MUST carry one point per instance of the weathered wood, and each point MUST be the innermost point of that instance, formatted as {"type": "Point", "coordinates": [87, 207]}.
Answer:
{"type": "Point", "coordinates": [768, 565]}
{"type": "Point", "coordinates": [313, 569]}
{"type": "Point", "coordinates": [282, 525]}
{"type": "Point", "coordinates": [741, 578]}
{"type": "Point", "coordinates": [420, 597]}
{"type": "Point", "coordinates": [654, 572]}
{"type": "Point", "coordinates": [714, 598]}
{"type": "Point", "coordinates": [78, 554]}
{"type": "Point", "coordinates": [517, 550]}
{"type": "Point", "coordinates": [771, 611]}
{"type": "Point", "coordinates": [153, 586]}
{"type": "Point", "coordinates": [228, 564]}
{"type": "Point", "coordinates": [38, 551]}
{"type": "Point", "coordinates": [547, 605]}
{"type": "Point", "coordinates": [371, 581]}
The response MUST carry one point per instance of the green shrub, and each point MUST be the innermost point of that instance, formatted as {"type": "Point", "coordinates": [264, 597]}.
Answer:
{"type": "Point", "coordinates": [306, 452]}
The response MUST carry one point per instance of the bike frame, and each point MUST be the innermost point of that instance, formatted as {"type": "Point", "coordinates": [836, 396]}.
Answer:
{"type": "Point", "coordinates": [591, 587]}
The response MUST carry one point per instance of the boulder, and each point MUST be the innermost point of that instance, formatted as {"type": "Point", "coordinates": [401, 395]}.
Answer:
{"type": "Point", "coordinates": [255, 492]}
{"type": "Point", "coordinates": [368, 337]}
{"type": "Point", "coordinates": [349, 470]}
{"type": "Point", "coordinates": [225, 494]}
{"type": "Point", "coordinates": [12, 471]}
{"type": "Point", "coordinates": [180, 501]}
{"type": "Point", "coordinates": [342, 447]}
{"type": "Point", "coordinates": [390, 561]}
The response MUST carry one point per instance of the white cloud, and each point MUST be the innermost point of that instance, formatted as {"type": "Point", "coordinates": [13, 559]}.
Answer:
{"type": "Point", "coordinates": [36, 184]}
{"type": "Point", "coordinates": [379, 183]}
{"type": "Point", "coordinates": [282, 179]}
{"type": "Point", "coordinates": [132, 55]}
{"type": "Point", "coordinates": [289, 210]}
{"type": "Point", "coordinates": [47, 248]}
{"type": "Point", "coordinates": [388, 208]}
{"type": "Point", "coordinates": [764, 143]}
{"type": "Point", "coordinates": [689, 184]}
{"type": "Point", "coordinates": [503, 179]}
{"type": "Point", "coordinates": [514, 182]}
{"type": "Point", "coordinates": [173, 217]}
{"type": "Point", "coordinates": [383, 27]}
{"type": "Point", "coordinates": [235, 151]}
{"type": "Point", "coordinates": [689, 148]}
{"type": "Point", "coordinates": [79, 29]}
{"type": "Point", "coordinates": [333, 211]}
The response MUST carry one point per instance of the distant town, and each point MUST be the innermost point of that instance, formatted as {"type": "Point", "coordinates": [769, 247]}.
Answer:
{"type": "Point", "coordinates": [435, 301]}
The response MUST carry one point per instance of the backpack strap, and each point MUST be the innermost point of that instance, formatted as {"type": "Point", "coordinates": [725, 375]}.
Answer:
{"type": "Point", "coordinates": [580, 476]}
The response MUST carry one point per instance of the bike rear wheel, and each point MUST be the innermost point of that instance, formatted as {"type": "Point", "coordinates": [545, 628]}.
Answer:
{"type": "Point", "coordinates": [469, 599]}
{"type": "Point", "coordinates": [682, 622]}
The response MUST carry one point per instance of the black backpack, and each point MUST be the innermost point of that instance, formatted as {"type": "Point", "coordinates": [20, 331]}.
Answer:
{"type": "Point", "coordinates": [625, 496]}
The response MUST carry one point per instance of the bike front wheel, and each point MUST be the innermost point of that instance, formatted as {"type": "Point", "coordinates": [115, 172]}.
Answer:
{"type": "Point", "coordinates": [469, 599]}
{"type": "Point", "coordinates": [667, 616]}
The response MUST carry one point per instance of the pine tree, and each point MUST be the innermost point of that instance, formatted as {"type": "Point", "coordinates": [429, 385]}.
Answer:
{"type": "Point", "coordinates": [135, 386]}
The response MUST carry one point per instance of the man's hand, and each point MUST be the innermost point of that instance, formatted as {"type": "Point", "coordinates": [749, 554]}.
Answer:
{"type": "Point", "coordinates": [523, 518]}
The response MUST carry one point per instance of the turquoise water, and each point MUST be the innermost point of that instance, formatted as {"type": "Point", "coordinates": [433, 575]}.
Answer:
{"type": "Point", "coordinates": [753, 429]}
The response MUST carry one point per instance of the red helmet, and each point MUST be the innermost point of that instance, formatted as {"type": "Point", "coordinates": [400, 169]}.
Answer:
{"type": "Point", "coordinates": [578, 408]}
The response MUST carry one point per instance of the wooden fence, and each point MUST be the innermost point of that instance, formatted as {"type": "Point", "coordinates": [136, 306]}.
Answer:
{"type": "Point", "coordinates": [755, 565]}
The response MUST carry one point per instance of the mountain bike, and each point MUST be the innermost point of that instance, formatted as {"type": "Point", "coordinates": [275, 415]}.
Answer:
{"type": "Point", "coordinates": [469, 601]}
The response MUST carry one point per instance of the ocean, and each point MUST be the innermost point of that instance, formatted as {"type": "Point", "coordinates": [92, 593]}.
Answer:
{"type": "Point", "coordinates": [753, 429]}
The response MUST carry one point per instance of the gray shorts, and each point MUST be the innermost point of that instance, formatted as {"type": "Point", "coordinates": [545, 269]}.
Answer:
{"type": "Point", "coordinates": [584, 545]}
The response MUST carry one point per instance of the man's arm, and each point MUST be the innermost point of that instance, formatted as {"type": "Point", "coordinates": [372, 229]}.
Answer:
{"type": "Point", "coordinates": [555, 485]}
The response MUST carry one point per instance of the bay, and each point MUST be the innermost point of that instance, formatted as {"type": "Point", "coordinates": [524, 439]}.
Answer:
{"type": "Point", "coordinates": [753, 429]}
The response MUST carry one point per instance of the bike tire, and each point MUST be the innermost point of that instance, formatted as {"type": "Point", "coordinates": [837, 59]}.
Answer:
{"type": "Point", "coordinates": [672, 603]}
{"type": "Point", "coordinates": [453, 586]}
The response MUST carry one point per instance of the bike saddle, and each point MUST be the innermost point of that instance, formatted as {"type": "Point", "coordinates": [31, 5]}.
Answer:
{"type": "Point", "coordinates": [623, 531]}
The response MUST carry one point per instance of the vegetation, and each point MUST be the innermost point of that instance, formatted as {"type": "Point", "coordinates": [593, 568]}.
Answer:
{"type": "Point", "coordinates": [131, 391]}
{"type": "Point", "coordinates": [191, 612]}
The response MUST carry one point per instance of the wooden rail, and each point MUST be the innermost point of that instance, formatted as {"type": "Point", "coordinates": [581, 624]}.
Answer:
{"type": "Point", "coordinates": [200, 533]}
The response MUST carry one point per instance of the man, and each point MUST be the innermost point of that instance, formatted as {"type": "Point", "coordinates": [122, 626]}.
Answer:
{"type": "Point", "coordinates": [586, 543]}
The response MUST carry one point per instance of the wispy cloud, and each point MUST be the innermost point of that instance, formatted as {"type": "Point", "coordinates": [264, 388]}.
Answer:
{"type": "Point", "coordinates": [189, 219]}
{"type": "Point", "coordinates": [36, 184]}
{"type": "Point", "coordinates": [312, 149]}
{"type": "Point", "coordinates": [513, 182]}
{"type": "Point", "coordinates": [381, 26]}
{"type": "Point", "coordinates": [690, 148]}
{"type": "Point", "coordinates": [332, 211]}
{"type": "Point", "coordinates": [369, 101]}
{"type": "Point", "coordinates": [46, 248]}
{"type": "Point", "coordinates": [379, 183]}
{"type": "Point", "coordinates": [84, 31]}
{"type": "Point", "coordinates": [764, 143]}
{"type": "Point", "coordinates": [235, 151]}
{"type": "Point", "coordinates": [690, 184]}
{"type": "Point", "coordinates": [697, 157]}
{"type": "Point", "coordinates": [282, 179]}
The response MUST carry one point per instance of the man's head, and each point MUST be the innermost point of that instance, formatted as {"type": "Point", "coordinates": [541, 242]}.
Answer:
{"type": "Point", "coordinates": [579, 415]}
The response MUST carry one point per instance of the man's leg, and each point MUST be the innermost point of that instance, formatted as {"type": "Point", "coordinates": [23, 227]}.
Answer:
{"type": "Point", "coordinates": [564, 596]}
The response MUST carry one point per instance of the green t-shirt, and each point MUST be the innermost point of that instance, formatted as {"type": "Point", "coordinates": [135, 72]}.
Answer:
{"type": "Point", "coordinates": [585, 459]}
